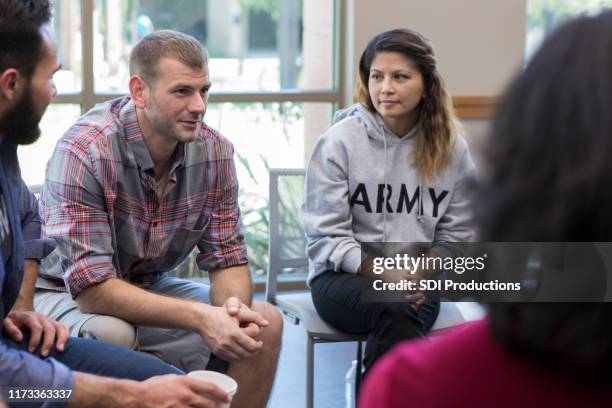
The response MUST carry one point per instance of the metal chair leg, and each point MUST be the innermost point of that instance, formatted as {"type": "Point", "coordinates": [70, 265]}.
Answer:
{"type": "Point", "coordinates": [310, 372]}
{"type": "Point", "coordinates": [359, 369]}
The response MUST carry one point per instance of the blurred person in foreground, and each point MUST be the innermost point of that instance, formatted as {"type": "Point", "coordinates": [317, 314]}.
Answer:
{"type": "Point", "coordinates": [550, 181]}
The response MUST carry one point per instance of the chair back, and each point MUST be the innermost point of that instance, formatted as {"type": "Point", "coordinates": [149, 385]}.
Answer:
{"type": "Point", "coordinates": [287, 240]}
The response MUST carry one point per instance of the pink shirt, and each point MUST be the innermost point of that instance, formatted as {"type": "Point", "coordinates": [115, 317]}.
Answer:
{"type": "Point", "coordinates": [467, 368]}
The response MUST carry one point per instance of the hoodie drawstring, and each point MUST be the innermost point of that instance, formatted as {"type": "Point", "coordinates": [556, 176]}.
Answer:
{"type": "Point", "coordinates": [385, 192]}
{"type": "Point", "coordinates": [420, 211]}
{"type": "Point", "coordinates": [385, 186]}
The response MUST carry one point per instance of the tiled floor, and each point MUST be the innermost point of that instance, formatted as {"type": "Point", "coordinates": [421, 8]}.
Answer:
{"type": "Point", "coordinates": [332, 360]}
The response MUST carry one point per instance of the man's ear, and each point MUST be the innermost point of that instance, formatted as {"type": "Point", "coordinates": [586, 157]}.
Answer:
{"type": "Point", "coordinates": [139, 91]}
{"type": "Point", "coordinates": [10, 84]}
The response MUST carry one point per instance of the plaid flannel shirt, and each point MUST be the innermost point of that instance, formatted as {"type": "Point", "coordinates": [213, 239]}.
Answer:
{"type": "Point", "coordinates": [99, 203]}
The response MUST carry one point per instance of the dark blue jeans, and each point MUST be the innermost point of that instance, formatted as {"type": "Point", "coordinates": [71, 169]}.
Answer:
{"type": "Point", "coordinates": [95, 357]}
{"type": "Point", "coordinates": [341, 299]}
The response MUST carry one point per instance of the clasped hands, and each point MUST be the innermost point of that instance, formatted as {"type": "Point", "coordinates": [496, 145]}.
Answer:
{"type": "Point", "coordinates": [415, 297]}
{"type": "Point", "coordinates": [232, 330]}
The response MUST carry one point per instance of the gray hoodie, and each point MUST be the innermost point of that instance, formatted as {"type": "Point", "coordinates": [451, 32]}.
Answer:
{"type": "Point", "coordinates": [344, 199]}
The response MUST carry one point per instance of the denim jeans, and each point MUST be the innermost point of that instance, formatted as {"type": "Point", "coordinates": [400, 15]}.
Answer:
{"type": "Point", "coordinates": [95, 357]}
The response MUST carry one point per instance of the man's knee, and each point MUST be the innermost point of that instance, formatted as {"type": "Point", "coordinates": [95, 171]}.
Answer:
{"type": "Point", "coordinates": [274, 330]}
{"type": "Point", "coordinates": [110, 330]}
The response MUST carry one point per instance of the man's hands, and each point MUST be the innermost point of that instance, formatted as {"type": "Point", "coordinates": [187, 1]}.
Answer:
{"type": "Point", "coordinates": [231, 330]}
{"type": "Point", "coordinates": [247, 319]}
{"type": "Point", "coordinates": [43, 331]}
{"type": "Point", "coordinates": [162, 391]}
{"type": "Point", "coordinates": [23, 319]}
{"type": "Point", "coordinates": [174, 390]}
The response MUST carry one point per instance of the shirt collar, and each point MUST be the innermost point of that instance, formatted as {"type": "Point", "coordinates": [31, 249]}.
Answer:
{"type": "Point", "coordinates": [133, 135]}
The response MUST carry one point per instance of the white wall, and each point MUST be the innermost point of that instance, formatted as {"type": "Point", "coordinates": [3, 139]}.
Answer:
{"type": "Point", "coordinates": [479, 43]}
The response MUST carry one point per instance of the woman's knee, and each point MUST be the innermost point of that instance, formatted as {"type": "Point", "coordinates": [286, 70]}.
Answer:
{"type": "Point", "coordinates": [399, 321]}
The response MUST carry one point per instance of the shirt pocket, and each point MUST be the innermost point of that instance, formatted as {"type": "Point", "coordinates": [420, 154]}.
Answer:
{"type": "Point", "coordinates": [185, 239]}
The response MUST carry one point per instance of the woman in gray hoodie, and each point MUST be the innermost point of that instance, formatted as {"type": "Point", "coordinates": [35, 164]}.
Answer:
{"type": "Point", "coordinates": [391, 169]}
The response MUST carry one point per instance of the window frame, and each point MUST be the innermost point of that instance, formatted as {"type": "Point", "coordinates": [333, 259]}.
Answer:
{"type": "Point", "coordinates": [88, 97]}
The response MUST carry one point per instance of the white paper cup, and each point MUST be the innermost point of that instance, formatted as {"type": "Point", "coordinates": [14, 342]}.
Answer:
{"type": "Point", "coordinates": [225, 382]}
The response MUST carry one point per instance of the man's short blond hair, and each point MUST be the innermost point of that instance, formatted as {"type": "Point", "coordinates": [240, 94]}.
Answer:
{"type": "Point", "coordinates": [146, 55]}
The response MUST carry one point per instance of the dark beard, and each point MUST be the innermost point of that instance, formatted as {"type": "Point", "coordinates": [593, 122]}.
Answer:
{"type": "Point", "coordinates": [19, 125]}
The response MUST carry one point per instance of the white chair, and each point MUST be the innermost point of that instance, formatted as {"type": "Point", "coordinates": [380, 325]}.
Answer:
{"type": "Point", "coordinates": [287, 244]}
{"type": "Point", "coordinates": [287, 250]}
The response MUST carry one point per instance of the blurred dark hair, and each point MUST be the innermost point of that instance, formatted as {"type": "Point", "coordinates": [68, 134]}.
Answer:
{"type": "Point", "coordinates": [434, 141]}
{"type": "Point", "coordinates": [551, 181]}
{"type": "Point", "coordinates": [20, 36]}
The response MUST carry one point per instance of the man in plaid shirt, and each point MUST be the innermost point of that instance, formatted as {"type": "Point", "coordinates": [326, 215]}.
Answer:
{"type": "Point", "coordinates": [130, 190]}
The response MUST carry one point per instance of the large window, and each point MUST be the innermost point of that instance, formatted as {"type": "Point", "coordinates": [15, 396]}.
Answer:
{"type": "Point", "coordinates": [33, 158]}
{"type": "Point", "coordinates": [255, 45]}
{"type": "Point", "coordinates": [273, 66]}
{"type": "Point", "coordinates": [543, 16]}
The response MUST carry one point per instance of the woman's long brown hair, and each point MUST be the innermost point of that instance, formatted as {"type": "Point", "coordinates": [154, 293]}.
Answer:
{"type": "Point", "coordinates": [437, 123]}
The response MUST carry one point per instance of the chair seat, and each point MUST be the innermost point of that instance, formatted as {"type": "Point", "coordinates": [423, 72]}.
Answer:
{"type": "Point", "coordinates": [300, 306]}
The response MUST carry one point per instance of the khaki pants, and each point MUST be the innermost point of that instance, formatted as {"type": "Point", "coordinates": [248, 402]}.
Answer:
{"type": "Point", "coordinates": [181, 348]}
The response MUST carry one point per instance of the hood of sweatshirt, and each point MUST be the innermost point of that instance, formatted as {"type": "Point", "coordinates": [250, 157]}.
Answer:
{"type": "Point", "coordinates": [373, 124]}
